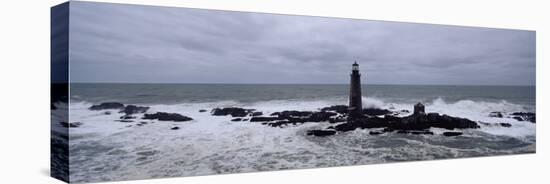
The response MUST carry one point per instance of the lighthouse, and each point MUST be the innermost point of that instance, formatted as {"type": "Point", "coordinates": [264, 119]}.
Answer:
{"type": "Point", "coordinates": [355, 101]}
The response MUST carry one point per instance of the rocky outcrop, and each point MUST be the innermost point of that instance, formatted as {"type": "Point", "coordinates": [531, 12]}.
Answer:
{"type": "Point", "coordinates": [256, 114]}
{"type": "Point", "coordinates": [233, 111]}
{"type": "Point", "coordinates": [278, 119]}
{"type": "Point", "coordinates": [132, 109]}
{"type": "Point", "coordinates": [419, 122]}
{"type": "Point", "coordinates": [164, 116]}
{"type": "Point", "coordinates": [321, 133]}
{"type": "Point", "coordinates": [520, 116]}
{"type": "Point", "coordinates": [107, 105]}
{"type": "Point", "coordinates": [524, 116]}
{"type": "Point", "coordinates": [449, 134]}
{"type": "Point", "coordinates": [507, 125]}
{"type": "Point", "coordinates": [376, 112]}
{"type": "Point", "coordinates": [264, 119]}
{"type": "Point", "coordinates": [127, 117]}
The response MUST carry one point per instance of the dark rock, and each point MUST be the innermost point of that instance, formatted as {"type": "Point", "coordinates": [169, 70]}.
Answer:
{"type": "Point", "coordinates": [132, 109]}
{"type": "Point", "coordinates": [290, 114]}
{"type": "Point", "coordinates": [448, 134]}
{"type": "Point", "coordinates": [283, 123]}
{"type": "Point", "coordinates": [337, 120]}
{"type": "Point", "coordinates": [202, 110]}
{"type": "Point", "coordinates": [416, 122]}
{"type": "Point", "coordinates": [125, 121]}
{"type": "Point", "coordinates": [505, 124]}
{"type": "Point", "coordinates": [375, 133]}
{"type": "Point", "coordinates": [233, 111]}
{"type": "Point", "coordinates": [425, 132]}
{"type": "Point", "coordinates": [415, 132]}
{"type": "Point", "coordinates": [107, 113]}
{"type": "Point", "coordinates": [127, 117]}
{"type": "Point", "coordinates": [320, 116]}
{"type": "Point", "coordinates": [496, 114]}
{"type": "Point", "coordinates": [163, 116]}
{"type": "Point", "coordinates": [237, 119]}
{"type": "Point", "coordinates": [413, 122]}
{"type": "Point", "coordinates": [141, 123]}
{"type": "Point", "coordinates": [524, 116]}
{"type": "Point", "coordinates": [175, 128]}
{"type": "Point", "coordinates": [70, 125]}
{"type": "Point", "coordinates": [374, 122]}
{"type": "Point", "coordinates": [321, 133]}
{"type": "Point", "coordinates": [402, 131]}
{"type": "Point", "coordinates": [376, 112]}
{"type": "Point", "coordinates": [342, 109]}
{"type": "Point", "coordinates": [484, 123]}
{"type": "Point", "coordinates": [264, 119]}
{"type": "Point", "coordinates": [256, 114]}
{"type": "Point", "coordinates": [107, 105]}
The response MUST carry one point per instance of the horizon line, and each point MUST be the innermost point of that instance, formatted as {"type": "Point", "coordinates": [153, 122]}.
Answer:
{"type": "Point", "coordinates": [299, 84]}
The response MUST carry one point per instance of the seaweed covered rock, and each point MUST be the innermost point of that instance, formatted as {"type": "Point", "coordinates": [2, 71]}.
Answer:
{"type": "Point", "coordinates": [164, 116]}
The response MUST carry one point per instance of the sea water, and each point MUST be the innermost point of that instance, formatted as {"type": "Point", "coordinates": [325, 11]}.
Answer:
{"type": "Point", "coordinates": [103, 149]}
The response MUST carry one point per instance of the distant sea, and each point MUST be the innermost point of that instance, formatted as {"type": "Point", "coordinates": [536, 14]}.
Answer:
{"type": "Point", "coordinates": [104, 150]}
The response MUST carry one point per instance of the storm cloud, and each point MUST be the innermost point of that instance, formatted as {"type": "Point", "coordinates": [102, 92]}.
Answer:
{"type": "Point", "coordinates": [148, 44]}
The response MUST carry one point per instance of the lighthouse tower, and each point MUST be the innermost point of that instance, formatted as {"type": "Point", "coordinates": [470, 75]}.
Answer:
{"type": "Point", "coordinates": [355, 101]}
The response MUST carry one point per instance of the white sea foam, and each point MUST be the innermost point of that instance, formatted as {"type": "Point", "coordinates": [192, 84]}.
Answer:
{"type": "Point", "coordinates": [373, 103]}
{"type": "Point", "coordinates": [103, 149]}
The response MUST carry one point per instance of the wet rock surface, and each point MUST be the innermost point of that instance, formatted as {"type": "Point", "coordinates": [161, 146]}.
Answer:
{"type": "Point", "coordinates": [524, 116]}
{"type": "Point", "coordinates": [233, 111]}
{"type": "Point", "coordinates": [164, 116]}
{"type": "Point", "coordinates": [520, 116]}
{"type": "Point", "coordinates": [449, 134]}
{"type": "Point", "coordinates": [107, 105]}
{"type": "Point", "coordinates": [321, 133]}
{"type": "Point", "coordinates": [133, 109]}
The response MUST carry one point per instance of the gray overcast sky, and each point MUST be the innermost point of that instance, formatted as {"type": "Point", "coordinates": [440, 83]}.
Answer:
{"type": "Point", "coordinates": [131, 43]}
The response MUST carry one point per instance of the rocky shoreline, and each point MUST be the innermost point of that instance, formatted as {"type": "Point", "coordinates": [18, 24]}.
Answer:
{"type": "Point", "coordinates": [378, 121]}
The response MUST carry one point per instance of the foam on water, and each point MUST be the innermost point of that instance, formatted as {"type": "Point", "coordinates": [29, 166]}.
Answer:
{"type": "Point", "coordinates": [103, 149]}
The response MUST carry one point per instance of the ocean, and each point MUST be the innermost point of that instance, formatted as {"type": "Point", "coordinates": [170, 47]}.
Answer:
{"type": "Point", "coordinates": [102, 149]}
